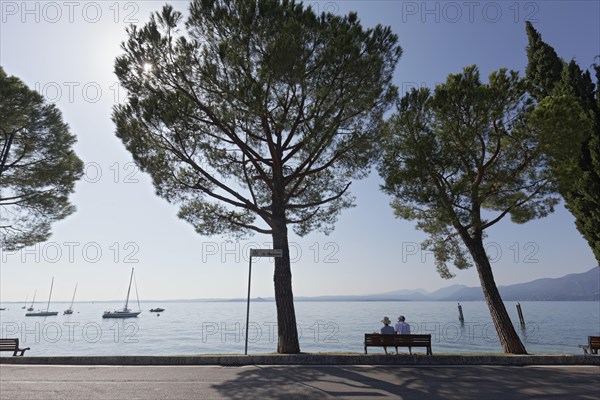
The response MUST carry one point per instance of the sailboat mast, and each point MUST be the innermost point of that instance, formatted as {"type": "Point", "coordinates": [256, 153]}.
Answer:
{"type": "Point", "coordinates": [137, 294]}
{"type": "Point", "coordinates": [49, 297]}
{"type": "Point", "coordinates": [129, 289]}
{"type": "Point", "coordinates": [33, 301]}
{"type": "Point", "coordinates": [73, 299]}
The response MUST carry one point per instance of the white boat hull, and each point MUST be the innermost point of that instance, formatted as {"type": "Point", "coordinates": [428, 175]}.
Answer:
{"type": "Point", "coordinates": [121, 314]}
{"type": "Point", "coordinates": [41, 314]}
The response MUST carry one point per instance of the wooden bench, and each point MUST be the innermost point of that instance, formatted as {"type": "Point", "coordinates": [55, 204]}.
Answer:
{"type": "Point", "coordinates": [593, 345]}
{"type": "Point", "coordinates": [410, 341]}
{"type": "Point", "coordinates": [12, 345]}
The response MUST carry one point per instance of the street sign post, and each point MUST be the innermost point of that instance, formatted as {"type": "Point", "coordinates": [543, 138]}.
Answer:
{"type": "Point", "coordinates": [265, 252]}
{"type": "Point", "coordinates": [256, 253]}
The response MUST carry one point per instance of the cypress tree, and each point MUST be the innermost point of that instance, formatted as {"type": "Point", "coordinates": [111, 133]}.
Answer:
{"type": "Point", "coordinates": [548, 76]}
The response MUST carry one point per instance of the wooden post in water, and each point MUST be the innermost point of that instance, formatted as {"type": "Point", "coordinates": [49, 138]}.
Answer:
{"type": "Point", "coordinates": [521, 319]}
{"type": "Point", "coordinates": [461, 318]}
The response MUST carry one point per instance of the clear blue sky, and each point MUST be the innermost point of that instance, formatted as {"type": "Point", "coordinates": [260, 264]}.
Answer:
{"type": "Point", "coordinates": [67, 50]}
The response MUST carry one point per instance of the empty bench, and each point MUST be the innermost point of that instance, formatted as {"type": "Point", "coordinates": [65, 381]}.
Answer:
{"type": "Point", "coordinates": [12, 345]}
{"type": "Point", "coordinates": [410, 341]}
{"type": "Point", "coordinates": [593, 345]}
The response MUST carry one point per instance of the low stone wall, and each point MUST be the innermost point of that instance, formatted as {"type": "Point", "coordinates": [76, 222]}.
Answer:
{"type": "Point", "coordinates": [310, 359]}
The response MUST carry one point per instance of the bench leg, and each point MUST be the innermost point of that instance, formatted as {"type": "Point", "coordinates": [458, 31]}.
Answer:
{"type": "Point", "coordinates": [410, 350]}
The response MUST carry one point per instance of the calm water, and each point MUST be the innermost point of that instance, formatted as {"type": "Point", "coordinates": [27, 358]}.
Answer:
{"type": "Point", "coordinates": [218, 328]}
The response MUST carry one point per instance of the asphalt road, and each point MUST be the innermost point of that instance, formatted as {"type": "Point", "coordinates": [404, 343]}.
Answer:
{"type": "Point", "coordinates": [298, 382]}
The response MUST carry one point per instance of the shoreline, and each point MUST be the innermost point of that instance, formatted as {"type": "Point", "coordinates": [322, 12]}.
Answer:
{"type": "Point", "coordinates": [310, 359]}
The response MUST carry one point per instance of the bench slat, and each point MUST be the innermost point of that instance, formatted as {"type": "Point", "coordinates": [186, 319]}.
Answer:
{"type": "Point", "coordinates": [382, 340]}
{"type": "Point", "coordinates": [12, 344]}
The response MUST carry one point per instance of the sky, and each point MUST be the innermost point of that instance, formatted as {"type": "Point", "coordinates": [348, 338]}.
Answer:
{"type": "Point", "coordinates": [66, 50]}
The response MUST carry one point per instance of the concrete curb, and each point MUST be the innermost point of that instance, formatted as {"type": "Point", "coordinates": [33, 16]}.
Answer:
{"type": "Point", "coordinates": [310, 359]}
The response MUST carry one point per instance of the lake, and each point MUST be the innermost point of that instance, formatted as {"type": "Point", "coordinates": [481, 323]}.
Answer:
{"type": "Point", "coordinates": [218, 327]}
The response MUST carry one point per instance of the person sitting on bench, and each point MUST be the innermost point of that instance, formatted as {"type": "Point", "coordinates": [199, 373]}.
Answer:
{"type": "Point", "coordinates": [387, 329]}
{"type": "Point", "coordinates": [402, 327]}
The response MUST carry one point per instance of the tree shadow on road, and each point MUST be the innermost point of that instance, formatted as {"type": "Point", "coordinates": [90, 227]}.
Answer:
{"type": "Point", "coordinates": [317, 382]}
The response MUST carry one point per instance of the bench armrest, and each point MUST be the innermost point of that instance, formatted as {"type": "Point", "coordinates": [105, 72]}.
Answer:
{"type": "Point", "coordinates": [21, 350]}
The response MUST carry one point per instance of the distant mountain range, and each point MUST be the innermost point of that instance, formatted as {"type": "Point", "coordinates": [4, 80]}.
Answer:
{"type": "Point", "coordinates": [573, 287]}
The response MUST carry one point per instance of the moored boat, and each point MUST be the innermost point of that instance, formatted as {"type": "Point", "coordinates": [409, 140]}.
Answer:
{"type": "Point", "coordinates": [46, 312]}
{"type": "Point", "coordinates": [125, 312]}
{"type": "Point", "coordinates": [30, 308]}
{"type": "Point", "coordinates": [69, 310]}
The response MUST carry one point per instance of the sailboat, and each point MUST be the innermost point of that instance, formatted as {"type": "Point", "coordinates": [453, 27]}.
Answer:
{"type": "Point", "coordinates": [70, 309]}
{"type": "Point", "coordinates": [26, 298]}
{"type": "Point", "coordinates": [32, 301]}
{"type": "Point", "coordinates": [125, 312]}
{"type": "Point", "coordinates": [46, 313]}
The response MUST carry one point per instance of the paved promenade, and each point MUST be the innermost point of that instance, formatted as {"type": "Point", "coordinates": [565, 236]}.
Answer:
{"type": "Point", "coordinates": [49, 382]}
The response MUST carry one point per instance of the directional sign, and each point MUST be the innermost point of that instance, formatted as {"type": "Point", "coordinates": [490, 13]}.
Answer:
{"type": "Point", "coordinates": [265, 252]}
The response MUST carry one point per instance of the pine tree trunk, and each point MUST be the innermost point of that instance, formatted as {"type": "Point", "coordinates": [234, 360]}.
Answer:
{"type": "Point", "coordinates": [287, 331]}
{"type": "Point", "coordinates": [509, 339]}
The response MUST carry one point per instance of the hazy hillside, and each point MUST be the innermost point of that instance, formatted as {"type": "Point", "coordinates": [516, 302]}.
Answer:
{"type": "Point", "coordinates": [572, 287]}
{"type": "Point", "coordinates": [583, 286]}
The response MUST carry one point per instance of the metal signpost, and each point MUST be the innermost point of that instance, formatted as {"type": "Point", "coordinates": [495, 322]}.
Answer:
{"type": "Point", "coordinates": [256, 253]}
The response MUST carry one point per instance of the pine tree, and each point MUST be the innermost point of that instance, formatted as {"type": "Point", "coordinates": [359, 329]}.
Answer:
{"type": "Point", "coordinates": [471, 147]}
{"type": "Point", "coordinates": [256, 119]}
{"type": "Point", "coordinates": [38, 167]}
